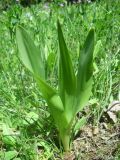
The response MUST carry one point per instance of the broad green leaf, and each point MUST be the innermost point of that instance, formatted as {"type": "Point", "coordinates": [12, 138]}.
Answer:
{"type": "Point", "coordinates": [31, 58]}
{"type": "Point", "coordinates": [8, 135]}
{"type": "Point", "coordinates": [53, 99]}
{"type": "Point", "coordinates": [8, 155]}
{"type": "Point", "coordinates": [85, 71]}
{"type": "Point", "coordinates": [29, 53]}
{"type": "Point", "coordinates": [67, 79]}
{"type": "Point", "coordinates": [54, 102]}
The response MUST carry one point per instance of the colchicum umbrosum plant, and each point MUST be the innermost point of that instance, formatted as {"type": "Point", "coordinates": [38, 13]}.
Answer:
{"type": "Point", "coordinates": [73, 91]}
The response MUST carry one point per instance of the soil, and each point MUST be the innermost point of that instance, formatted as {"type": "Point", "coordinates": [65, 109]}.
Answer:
{"type": "Point", "coordinates": [98, 143]}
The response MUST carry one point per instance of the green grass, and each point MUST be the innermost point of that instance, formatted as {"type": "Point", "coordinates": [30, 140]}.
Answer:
{"type": "Point", "coordinates": [25, 123]}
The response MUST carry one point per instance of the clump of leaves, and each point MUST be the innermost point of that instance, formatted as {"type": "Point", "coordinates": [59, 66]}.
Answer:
{"type": "Point", "coordinates": [73, 91]}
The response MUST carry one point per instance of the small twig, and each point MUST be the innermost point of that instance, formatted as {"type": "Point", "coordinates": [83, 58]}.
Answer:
{"type": "Point", "coordinates": [112, 106]}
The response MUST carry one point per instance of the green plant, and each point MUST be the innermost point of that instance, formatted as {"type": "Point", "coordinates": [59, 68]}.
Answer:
{"type": "Point", "coordinates": [73, 91]}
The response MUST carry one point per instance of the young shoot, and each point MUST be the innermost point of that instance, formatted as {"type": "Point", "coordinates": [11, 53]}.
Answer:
{"type": "Point", "coordinates": [73, 90]}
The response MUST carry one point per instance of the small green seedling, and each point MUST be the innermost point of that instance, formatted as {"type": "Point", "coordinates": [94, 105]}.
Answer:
{"type": "Point", "coordinates": [73, 91]}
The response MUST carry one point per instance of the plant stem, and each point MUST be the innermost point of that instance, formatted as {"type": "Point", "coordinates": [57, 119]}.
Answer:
{"type": "Point", "coordinates": [65, 137]}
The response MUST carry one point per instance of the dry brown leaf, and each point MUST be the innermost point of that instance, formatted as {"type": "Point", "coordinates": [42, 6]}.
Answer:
{"type": "Point", "coordinates": [114, 106]}
{"type": "Point", "coordinates": [112, 116]}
